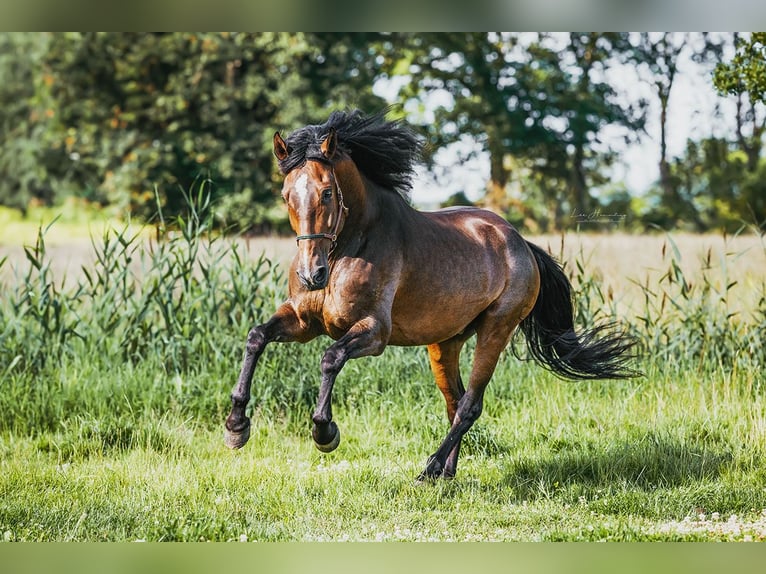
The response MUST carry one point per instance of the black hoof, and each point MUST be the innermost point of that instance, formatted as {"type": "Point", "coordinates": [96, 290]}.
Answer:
{"type": "Point", "coordinates": [333, 443]}
{"type": "Point", "coordinates": [237, 439]}
{"type": "Point", "coordinates": [432, 472]}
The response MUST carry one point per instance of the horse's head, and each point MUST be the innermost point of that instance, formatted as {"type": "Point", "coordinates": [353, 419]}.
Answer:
{"type": "Point", "coordinates": [315, 208]}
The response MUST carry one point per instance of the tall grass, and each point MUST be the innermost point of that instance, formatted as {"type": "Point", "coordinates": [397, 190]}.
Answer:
{"type": "Point", "coordinates": [124, 370]}
{"type": "Point", "coordinates": [174, 306]}
{"type": "Point", "coordinates": [684, 320]}
{"type": "Point", "coordinates": [180, 304]}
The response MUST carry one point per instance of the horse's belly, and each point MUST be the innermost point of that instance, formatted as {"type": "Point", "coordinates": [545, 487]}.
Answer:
{"type": "Point", "coordinates": [430, 320]}
{"type": "Point", "coordinates": [413, 336]}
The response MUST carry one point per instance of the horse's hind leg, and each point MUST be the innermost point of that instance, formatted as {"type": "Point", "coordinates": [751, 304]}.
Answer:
{"type": "Point", "coordinates": [445, 364]}
{"type": "Point", "coordinates": [493, 334]}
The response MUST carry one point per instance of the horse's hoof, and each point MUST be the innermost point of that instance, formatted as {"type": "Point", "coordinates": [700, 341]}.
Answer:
{"type": "Point", "coordinates": [423, 479]}
{"type": "Point", "coordinates": [237, 439]}
{"type": "Point", "coordinates": [432, 472]}
{"type": "Point", "coordinates": [426, 478]}
{"type": "Point", "coordinates": [333, 444]}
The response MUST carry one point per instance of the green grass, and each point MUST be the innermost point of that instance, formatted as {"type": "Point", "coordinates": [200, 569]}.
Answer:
{"type": "Point", "coordinates": [548, 461]}
{"type": "Point", "coordinates": [114, 388]}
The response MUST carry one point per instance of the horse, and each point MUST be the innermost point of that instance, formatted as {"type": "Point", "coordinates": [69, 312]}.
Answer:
{"type": "Point", "coordinates": [371, 271]}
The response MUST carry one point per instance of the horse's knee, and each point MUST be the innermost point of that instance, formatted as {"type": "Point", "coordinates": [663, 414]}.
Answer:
{"type": "Point", "coordinates": [469, 409]}
{"type": "Point", "coordinates": [333, 361]}
{"type": "Point", "coordinates": [256, 339]}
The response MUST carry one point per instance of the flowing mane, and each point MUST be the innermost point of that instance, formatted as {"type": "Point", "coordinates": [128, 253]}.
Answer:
{"type": "Point", "coordinates": [384, 151]}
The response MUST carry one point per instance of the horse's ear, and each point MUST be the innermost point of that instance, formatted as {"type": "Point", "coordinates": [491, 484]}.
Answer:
{"type": "Point", "coordinates": [280, 147]}
{"type": "Point", "coordinates": [330, 144]}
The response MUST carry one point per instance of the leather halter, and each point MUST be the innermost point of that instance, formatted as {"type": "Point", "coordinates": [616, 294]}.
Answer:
{"type": "Point", "coordinates": [342, 209]}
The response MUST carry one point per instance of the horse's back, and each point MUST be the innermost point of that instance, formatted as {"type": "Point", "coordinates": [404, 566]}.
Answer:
{"type": "Point", "coordinates": [486, 233]}
{"type": "Point", "coordinates": [488, 240]}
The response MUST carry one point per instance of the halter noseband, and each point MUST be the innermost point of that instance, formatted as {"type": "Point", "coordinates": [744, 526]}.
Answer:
{"type": "Point", "coordinates": [342, 209]}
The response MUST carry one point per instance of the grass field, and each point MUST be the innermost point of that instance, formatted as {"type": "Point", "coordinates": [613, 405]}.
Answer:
{"type": "Point", "coordinates": [117, 358]}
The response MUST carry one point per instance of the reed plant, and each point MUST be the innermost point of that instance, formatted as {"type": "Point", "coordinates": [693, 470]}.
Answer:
{"type": "Point", "coordinates": [684, 320]}
{"type": "Point", "coordinates": [115, 381]}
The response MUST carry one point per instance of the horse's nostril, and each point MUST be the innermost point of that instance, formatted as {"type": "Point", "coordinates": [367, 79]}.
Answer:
{"type": "Point", "coordinates": [320, 276]}
{"type": "Point", "coordinates": [317, 280]}
{"type": "Point", "coordinates": [305, 279]}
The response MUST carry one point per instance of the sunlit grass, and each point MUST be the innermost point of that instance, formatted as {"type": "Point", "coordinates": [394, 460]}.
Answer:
{"type": "Point", "coordinates": [599, 462]}
{"type": "Point", "coordinates": [114, 388]}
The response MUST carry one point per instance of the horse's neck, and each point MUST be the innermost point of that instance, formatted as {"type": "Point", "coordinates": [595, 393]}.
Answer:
{"type": "Point", "coordinates": [371, 208]}
{"type": "Point", "coordinates": [375, 204]}
{"type": "Point", "coordinates": [359, 201]}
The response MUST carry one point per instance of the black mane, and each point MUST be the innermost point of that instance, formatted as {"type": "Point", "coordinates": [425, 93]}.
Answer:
{"type": "Point", "coordinates": [384, 151]}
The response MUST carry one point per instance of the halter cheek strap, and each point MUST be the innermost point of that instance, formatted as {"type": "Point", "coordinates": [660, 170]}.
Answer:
{"type": "Point", "coordinates": [342, 211]}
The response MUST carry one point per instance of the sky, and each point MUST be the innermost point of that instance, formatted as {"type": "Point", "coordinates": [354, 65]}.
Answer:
{"type": "Point", "coordinates": [691, 115]}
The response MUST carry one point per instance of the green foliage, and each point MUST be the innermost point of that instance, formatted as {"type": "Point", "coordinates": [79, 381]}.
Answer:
{"type": "Point", "coordinates": [457, 199]}
{"type": "Point", "coordinates": [117, 118]}
{"type": "Point", "coordinates": [713, 189]}
{"type": "Point", "coordinates": [22, 177]}
{"type": "Point", "coordinates": [537, 106]}
{"type": "Point", "coordinates": [172, 294]}
{"type": "Point", "coordinates": [746, 72]}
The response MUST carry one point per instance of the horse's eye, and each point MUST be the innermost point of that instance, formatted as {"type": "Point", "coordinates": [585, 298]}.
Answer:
{"type": "Point", "coordinates": [327, 194]}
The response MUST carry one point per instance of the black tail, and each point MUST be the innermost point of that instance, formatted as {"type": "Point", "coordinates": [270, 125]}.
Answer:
{"type": "Point", "coordinates": [598, 353]}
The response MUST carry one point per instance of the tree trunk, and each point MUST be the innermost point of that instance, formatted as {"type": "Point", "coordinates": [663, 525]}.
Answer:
{"type": "Point", "coordinates": [579, 188]}
{"type": "Point", "coordinates": [671, 189]}
{"type": "Point", "coordinates": [497, 198]}
{"type": "Point", "coordinates": [753, 146]}
{"type": "Point", "coordinates": [665, 182]}
{"type": "Point", "coordinates": [583, 53]}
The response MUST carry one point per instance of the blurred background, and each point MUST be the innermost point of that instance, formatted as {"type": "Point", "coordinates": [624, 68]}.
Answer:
{"type": "Point", "coordinates": [560, 131]}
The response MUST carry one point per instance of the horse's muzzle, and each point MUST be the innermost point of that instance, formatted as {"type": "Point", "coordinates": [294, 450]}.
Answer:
{"type": "Point", "coordinates": [316, 280]}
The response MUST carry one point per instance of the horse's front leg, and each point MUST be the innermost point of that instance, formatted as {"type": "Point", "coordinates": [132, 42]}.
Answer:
{"type": "Point", "coordinates": [284, 326]}
{"type": "Point", "coordinates": [367, 337]}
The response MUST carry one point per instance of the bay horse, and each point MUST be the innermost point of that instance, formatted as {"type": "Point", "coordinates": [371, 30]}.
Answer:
{"type": "Point", "coordinates": [371, 271]}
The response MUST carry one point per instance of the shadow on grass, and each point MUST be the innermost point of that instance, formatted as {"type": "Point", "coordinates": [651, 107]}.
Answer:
{"type": "Point", "coordinates": [644, 462]}
{"type": "Point", "coordinates": [653, 477]}
{"type": "Point", "coordinates": [645, 465]}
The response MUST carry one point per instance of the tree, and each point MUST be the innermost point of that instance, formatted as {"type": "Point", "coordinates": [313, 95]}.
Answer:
{"type": "Point", "coordinates": [747, 70]}
{"type": "Point", "coordinates": [716, 189]}
{"type": "Point", "coordinates": [745, 78]}
{"type": "Point", "coordinates": [23, 176]}
{"type": "Point", "coordinates": [135, 113]}
{"type": "Point", "coordinates": [340, 71]}
{"type": "Point", "coordinates": [476, 71]}
{"type": "Point", "coordinates": [659, 52]}
{"type": "Point", "coordinates": [588, 102]}
{"type": "Point", "coordinates": [530, 102]}
{"type": "Point", "coordinates": [662, 54]}
{"type": "Point", "coordinates": [119, 118]}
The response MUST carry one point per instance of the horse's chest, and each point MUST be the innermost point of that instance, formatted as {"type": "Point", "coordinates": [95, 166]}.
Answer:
{"type": "Point", "coordinates": [348, 301]}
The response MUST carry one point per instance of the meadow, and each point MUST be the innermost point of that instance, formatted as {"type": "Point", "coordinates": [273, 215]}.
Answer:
{"type": "Point", "coordinates": [119, 348]}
